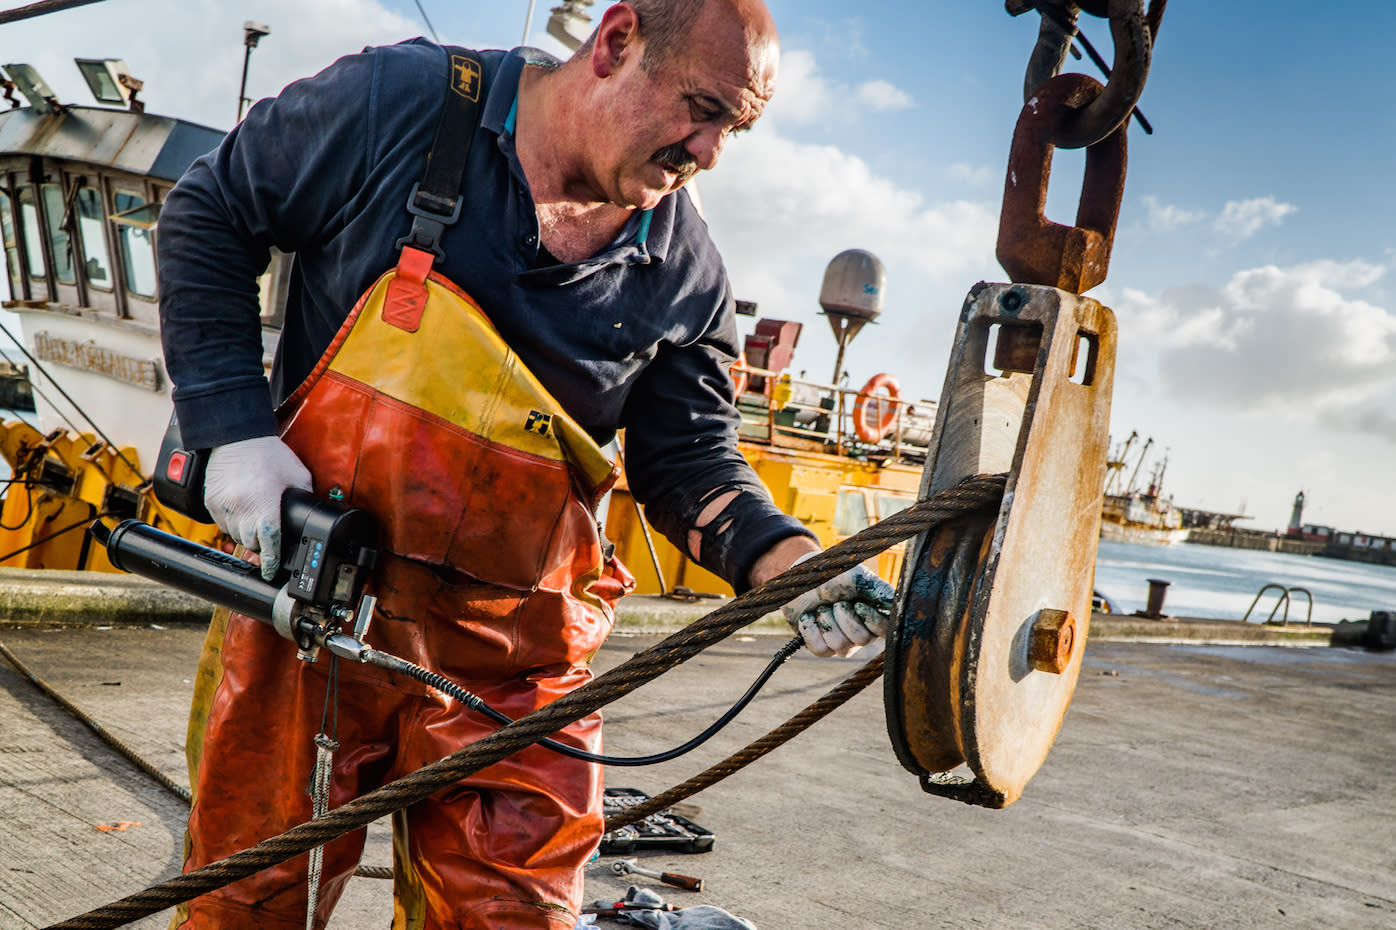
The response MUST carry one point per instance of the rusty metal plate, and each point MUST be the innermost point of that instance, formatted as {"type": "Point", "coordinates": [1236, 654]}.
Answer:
{"type": "Point", "coordinates": [990, 624]}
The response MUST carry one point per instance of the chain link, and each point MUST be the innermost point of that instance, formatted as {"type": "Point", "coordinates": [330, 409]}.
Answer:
{"type": "Point", "coordinates": [1133, 31]}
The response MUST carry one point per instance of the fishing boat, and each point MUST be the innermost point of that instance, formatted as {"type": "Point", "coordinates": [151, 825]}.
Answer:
{"type": "Point", "coordinates": [1138, 514]}
{"type": "Point", "coordinates": [80, 195]}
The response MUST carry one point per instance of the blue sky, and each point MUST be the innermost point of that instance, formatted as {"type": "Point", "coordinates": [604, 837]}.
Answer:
{"type": "Point", "coordinates": [1252, 261]}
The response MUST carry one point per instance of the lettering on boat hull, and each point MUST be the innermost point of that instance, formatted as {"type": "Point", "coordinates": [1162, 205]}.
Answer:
{"type": "Point", "coordinates": [88, 356]}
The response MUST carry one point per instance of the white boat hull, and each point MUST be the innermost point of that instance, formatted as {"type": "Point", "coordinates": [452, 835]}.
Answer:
{"type": "Point", "coordinates": [1140, 534]}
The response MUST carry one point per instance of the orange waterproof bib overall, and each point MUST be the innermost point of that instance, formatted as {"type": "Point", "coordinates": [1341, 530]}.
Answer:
{"type": "Point", "coordinates": [492, 573]}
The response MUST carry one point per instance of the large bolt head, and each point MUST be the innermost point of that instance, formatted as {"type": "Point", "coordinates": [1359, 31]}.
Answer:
{"type": "Point", "coordinates": [1051, 641]}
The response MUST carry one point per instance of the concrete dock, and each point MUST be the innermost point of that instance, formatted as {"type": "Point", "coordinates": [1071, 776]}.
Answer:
{"type": "Point", "coordinates": [1191, 786]}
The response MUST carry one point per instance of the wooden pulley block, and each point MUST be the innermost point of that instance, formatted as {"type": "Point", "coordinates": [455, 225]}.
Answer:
{"type": "Point", "coordinates": [990, 623]}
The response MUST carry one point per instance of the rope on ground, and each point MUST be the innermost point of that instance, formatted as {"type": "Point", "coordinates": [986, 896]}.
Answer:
{"type": "Point", "coordinates": [129, 754]}
{"type": "Point", "coordinates": [778, 737]}
{"type": "Point", "coordinates": [102, 732]}
{"type": "Point", "coordinates": [972, 494]}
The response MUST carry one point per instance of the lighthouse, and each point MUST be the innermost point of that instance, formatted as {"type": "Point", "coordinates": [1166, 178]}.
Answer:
{"type": "Point", "coordinates": [1296, 518]}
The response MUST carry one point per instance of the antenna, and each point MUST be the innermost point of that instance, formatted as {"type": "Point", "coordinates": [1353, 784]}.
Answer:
{"type": "Point", "coordinates": [851, 296]}
{"type": "Point", "coordinates": [251, 34]}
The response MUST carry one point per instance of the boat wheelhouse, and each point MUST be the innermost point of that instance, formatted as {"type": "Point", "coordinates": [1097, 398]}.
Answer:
{"type": "Point", "coordinates": [80, 195]}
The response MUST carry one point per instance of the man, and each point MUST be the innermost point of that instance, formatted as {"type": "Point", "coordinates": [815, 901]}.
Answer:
{"type": "Point", "coordinates": [469, 430]}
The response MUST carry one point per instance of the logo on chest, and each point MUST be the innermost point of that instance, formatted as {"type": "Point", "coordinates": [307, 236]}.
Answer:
{"type": "Point", "coordinates": [465, 77]}
{"type": "Point", "coordinates": [539, 422]}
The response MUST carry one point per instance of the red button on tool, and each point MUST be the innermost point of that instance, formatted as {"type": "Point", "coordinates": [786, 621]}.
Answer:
{"type": "Point", "coordinates": [174, 470]}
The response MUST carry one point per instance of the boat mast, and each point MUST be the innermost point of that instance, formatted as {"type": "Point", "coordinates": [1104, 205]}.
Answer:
{"type": "Point", "coordinates": [1134, 475]}
{"type": "Point", "coordinates": [1115, 465]}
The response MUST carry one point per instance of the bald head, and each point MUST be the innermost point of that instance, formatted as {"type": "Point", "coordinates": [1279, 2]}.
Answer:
{"type": "Point", "coordinates": [663, 85]}
{"type": "Point", "coordinates": [666, 26]}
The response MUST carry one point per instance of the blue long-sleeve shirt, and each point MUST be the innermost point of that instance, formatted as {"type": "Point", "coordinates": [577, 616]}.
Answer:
{"type": "Point", "coordinates": [638, 337]}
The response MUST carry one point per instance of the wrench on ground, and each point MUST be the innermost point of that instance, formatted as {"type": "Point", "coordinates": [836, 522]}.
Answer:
{"type": "Point", "coordinates": [631, 867]}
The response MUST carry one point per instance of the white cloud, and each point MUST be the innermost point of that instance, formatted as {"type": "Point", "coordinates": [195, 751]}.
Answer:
{"type": "Point", "coordinates": [779, 197]}
{"type": "Point", "coordinates": [804, 95]}
{"type": "Point", "coordinates": [1241, 219]}
{"type": "Point", "coordinates": [881, 95]}
{"type": "Point", "coordinates": [1164, 217]}
{"type": "Point", "coordinates": [974, 175]}
{"type": "Point", "coordinates": [191, 54]}
{"type": "Point", "coordinates": [780, 210]}
{"type": "Point", "coordinates": [801, 92]}
{"type": "Point", "coordinates": [1178, 319]}
{"type": "Point", "coordinates": [1296, 341]}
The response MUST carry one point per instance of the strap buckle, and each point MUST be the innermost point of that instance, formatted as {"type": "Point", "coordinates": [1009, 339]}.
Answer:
{"type": "Point", "coordinates": [430, 217]}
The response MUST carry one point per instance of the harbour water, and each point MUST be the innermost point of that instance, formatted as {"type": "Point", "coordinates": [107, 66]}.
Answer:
{"type": "Point", "coordinates": [1222, 583]}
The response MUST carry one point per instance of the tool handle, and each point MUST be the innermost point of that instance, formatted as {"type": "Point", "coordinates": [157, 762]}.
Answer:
{"type": "Point", "coordinates": [687, 882]}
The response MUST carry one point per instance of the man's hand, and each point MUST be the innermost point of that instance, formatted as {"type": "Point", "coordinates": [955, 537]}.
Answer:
{"type": "Point", "coordinates": [843, 613]}
{"type": "Point", "coordinates": [243, 488]}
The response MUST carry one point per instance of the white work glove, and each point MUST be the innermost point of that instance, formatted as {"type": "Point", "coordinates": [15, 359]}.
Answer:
{"type": "Point", "coordinates": [843, 613]}
{"type": "Point", "coordinates": [242, 491]}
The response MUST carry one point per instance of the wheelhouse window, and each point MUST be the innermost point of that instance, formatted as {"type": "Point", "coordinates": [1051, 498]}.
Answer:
{"type": "Point", "coordinates": [7, 227]}
{"type": "Point", "coordinates": [91, 223]}
{"type": "Point", "coordinates": [135, 220]}
{"type": "Point", "coordinates": [58, 237]}
{"type": "Point", "coordinates": [889, 504]}
{"type": "Point", "coordinates": [851, 513]}
{"type": "Point", "coordinates": [33, 233]}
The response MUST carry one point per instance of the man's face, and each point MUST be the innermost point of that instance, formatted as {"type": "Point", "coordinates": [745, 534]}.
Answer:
{"type": "Point", "coordinates": [672, 120]}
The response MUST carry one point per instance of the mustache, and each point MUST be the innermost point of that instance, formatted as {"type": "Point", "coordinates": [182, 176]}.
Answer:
{"type": "Point", "coordinates": [677, 158]}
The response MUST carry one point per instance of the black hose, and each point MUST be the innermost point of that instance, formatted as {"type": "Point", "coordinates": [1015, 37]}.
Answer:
{"type": "Point", "coordinates": [445, 685]}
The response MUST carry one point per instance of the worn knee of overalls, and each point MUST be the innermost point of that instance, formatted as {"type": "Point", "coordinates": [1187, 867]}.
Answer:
{"type": "Point", "coordinates": [491, 572]}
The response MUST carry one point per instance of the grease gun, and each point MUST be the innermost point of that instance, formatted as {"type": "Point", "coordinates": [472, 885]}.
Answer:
{"type": "Point", "coordinates": [327, 552]}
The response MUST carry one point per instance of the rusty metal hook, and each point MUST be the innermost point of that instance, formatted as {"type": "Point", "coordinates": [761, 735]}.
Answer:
{"type": "Point", "coordinates": [1031, 248]}
{"type": "Point", "coordinates": [1132, 30]}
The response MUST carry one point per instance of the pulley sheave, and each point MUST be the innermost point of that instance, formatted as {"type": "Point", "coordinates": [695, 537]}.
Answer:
{"type": "Point", "coordinates": [990, 623]}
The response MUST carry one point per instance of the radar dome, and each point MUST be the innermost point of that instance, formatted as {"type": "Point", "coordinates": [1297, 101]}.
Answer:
{"type": "Point", "coordinates": [854, 284]}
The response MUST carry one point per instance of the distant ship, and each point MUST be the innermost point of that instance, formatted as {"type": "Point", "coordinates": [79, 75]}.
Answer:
{"type": "Point", "coordinates": [1138, 515]}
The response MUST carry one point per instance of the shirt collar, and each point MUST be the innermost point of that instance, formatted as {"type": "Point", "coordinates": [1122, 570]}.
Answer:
{"type": "Point", "coordinates": [648, 234]}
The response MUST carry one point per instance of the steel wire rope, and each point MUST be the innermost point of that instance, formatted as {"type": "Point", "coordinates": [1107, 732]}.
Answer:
{"type": "Point", "coordinates": [86, 720]}
{"type": "Point", "coordinates": [430, 27]}
{"type": "Point", "coordinates": [39, 391]}
{"type": "Point", "coordinates": [41, 8]}
{"type": "Point", "coordinates": [975, 493]}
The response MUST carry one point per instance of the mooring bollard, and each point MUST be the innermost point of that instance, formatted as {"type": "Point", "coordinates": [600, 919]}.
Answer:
{"type": "Point", "coordinates": [1158, 589]}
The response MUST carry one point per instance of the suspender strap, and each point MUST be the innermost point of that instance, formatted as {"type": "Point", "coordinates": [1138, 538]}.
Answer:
{"type": "Point", "coordinates": [435, 201]}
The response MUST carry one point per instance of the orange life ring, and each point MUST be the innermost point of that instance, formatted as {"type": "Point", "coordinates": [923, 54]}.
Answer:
{"type": "Point", "coordinates": [875, 410]}
{"type": "Point", "coordinates": [741, 375]}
